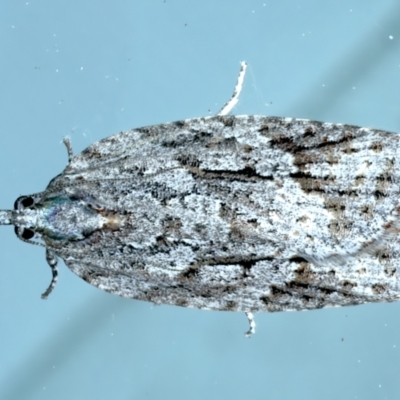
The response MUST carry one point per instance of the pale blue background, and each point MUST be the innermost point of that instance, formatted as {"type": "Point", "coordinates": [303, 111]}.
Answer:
{"type": "Point", "coordinates": [89, 69]}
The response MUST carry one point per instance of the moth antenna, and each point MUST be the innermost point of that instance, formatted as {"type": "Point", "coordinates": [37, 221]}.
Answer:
{"type": "Point", "coordinates": [227, 108]}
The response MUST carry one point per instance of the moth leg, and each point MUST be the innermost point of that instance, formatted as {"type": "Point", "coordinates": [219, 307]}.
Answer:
{"type": "Point", "coordinates": [227, 108]}
{"type": "Point", "coordinates": [67, 143]}
{"type": "Point", "coordinates": [52, 260]}
{"type": "Point", "coordinates": [252, 324]}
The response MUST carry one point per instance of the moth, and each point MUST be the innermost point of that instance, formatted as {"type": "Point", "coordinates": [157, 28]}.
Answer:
{"type": "Point", "coordinates": [240, 213]}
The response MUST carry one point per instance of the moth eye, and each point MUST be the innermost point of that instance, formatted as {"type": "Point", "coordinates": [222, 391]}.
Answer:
{"type": "Point", "coordinates": [23, 202]}
{"type": "Point", "coordinates": [24, 233]}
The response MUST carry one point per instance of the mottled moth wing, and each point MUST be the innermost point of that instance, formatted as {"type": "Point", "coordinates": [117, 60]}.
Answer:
{"type": "Point", "coordinates": [243, 213]}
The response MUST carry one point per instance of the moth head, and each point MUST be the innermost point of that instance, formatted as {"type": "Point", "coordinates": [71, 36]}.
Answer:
{"type": "Point", "coordinates": [22, 217]}
{"type": "Point", "coordinates": [22, 203]}
{"type": "Point", "coordinates": [56, 217]}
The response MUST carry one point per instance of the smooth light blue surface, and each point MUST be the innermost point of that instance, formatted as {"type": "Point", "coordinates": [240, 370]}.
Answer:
{"type": "Point", "coordinates": [90, 69]}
